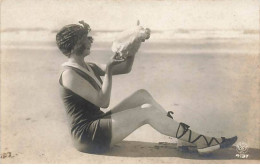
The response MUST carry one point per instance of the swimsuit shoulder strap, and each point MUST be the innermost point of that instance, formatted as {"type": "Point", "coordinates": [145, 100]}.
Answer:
{"type": "Point", "coordinates": [84, 75]}
{"type": "Point", "coordinates": [89, 73]}
{"type": "Point", "coordinates": [95, 70]}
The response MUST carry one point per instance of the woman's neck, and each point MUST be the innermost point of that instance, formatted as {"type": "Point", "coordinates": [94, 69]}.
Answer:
{"type": "Point", "coordinates": [77, 59]}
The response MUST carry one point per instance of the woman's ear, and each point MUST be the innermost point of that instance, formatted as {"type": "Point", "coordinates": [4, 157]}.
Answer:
{"type": "Point", "coordinates": [72, 50]}
{"type": "Point", "coordinates": [75, 48]}
{"type": "Point", "coordinates": [78, 48]}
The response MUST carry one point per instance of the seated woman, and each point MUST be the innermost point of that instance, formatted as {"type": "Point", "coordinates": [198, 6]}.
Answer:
{"type": "Point", "coordinates": [84, 93]}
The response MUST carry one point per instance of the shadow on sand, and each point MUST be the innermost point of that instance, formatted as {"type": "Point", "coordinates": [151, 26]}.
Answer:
{"type": "Point", "coordinates": [163, 149]}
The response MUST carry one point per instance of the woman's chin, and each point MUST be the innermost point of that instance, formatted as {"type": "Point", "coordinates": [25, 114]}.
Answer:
{"type": "Point", "coordinates": [87, 53]}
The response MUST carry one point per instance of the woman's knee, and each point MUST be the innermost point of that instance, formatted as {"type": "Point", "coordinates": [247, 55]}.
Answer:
{"type": "Point", "coordinates": [148, 108]}
{"type": "Point", "coordinates": [146, 105]}
{"type": "Point", "coordinates": [143, 93]}
{"type": "Point", "coordinates": [149, 112]}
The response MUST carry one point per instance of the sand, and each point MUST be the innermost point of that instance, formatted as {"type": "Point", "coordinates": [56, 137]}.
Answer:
{"type": "Point", "coordinates": [212, 86]}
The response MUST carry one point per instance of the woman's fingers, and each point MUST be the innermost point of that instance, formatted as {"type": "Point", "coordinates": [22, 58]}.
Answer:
{"type": "Point", "coordinates": [117, 59]}
{"type": "Point", "coordinates": [121, 59]}
{"type": "Point", "coordinates": [116, 56]}
{"type": "Point", "coordinates": [119, 56]}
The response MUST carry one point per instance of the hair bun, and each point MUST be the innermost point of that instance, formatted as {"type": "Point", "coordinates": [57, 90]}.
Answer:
{"type": "Point", "coordinates": [85, 25]}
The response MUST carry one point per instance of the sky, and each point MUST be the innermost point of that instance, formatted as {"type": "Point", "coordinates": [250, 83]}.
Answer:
{"type": "Point", "coordinates": [117, 15]}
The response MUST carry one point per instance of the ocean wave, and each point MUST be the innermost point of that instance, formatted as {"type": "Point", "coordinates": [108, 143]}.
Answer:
{"type": "Point", "coordinates": [150, 49]}
{"type": "Point", "coordinates": [38, 34]}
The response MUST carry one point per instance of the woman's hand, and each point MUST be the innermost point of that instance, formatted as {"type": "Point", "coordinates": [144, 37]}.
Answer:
{"type": "Point", "coordinates": [114, 60]}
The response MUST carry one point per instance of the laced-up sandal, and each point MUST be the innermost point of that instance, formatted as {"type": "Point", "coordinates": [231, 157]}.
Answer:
{"type": "Point", "coordinates": [182, 145]}
{"type": "Point", "coordinates": [225, 143]}
{"type": "Point", "coordinates": [169, 114]}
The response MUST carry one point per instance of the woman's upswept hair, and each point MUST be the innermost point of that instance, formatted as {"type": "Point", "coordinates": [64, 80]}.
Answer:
{"type": "Point", "coordinates": [69, 35]}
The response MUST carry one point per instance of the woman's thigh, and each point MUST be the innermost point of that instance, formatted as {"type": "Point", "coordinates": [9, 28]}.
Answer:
{"type": "Point", "coordinates": [137, 99]}
{"type": "Point", "coordinates": [96, 138]}
{"type": "Point", "coordinates": [127, 121]}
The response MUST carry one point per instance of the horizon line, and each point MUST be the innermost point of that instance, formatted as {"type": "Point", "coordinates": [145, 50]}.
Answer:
{"type": "Point", "coordinates": [183, 30]}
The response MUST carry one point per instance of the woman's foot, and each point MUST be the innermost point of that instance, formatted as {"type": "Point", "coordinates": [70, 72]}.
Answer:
{"type": "Point", "coordinates": [225, 143]}
{"type": "Point", "coordinates": [204, 144]}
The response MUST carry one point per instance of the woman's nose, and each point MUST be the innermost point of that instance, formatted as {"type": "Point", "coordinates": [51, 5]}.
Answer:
{"type": "Point", "coordinates": [90, 39]}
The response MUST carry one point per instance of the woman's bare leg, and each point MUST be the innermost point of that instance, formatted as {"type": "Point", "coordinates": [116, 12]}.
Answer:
{"type": "Point", "coordinates": [137, 99]}
{"type": "Point", "coordinates": [127, 121]}
{"type": "Point", "coordinates": [140, 109]}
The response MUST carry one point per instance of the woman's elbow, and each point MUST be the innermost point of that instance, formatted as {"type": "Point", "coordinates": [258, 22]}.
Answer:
{"type": "Point", "coordinates": [124, 71]}
{"type": "Point", "coordinates": [103, 103]}
{"type": "Point", "coordinates": [128, 70]}
{"type": "Point", "coordinates": [105, 106]}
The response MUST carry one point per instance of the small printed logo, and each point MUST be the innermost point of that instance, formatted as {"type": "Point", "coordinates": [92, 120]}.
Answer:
{"type": "Point", "coordinates": [242, 149]}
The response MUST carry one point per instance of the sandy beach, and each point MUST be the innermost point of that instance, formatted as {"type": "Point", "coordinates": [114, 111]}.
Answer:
{"type": "Point", "coordinates": [210, 84]}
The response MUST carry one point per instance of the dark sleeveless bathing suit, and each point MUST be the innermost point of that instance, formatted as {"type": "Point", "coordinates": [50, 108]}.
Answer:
{"type": "Point", "coordinates": [90, 127]}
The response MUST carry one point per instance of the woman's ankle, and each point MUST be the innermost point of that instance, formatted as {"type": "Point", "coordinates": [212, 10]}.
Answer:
{"type": "Point", "coordinates": [201, 141]}
{"type": "Point", "coordinates": [205, 141]}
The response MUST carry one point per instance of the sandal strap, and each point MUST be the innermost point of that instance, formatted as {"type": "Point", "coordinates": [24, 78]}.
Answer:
{"type": "Point", "coordinates": [169, 114]}
{"type": "Point", "coordinates": [185, 129]}
{"type": "Point", "coordinates": [208, 142]}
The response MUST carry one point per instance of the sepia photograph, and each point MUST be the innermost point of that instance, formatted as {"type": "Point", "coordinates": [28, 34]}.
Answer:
{"type": "Point", "coordinates": [130, 82]}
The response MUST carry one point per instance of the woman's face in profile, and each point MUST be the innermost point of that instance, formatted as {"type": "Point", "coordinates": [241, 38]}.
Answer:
{"type": "Point", "coordinates": [86, 45]}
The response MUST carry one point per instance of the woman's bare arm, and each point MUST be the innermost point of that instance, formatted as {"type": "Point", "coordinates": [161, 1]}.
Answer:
{"type": "Point", "coordinates": [74, 82]}
{"type": "Point", "coordinates": [122, 68]}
